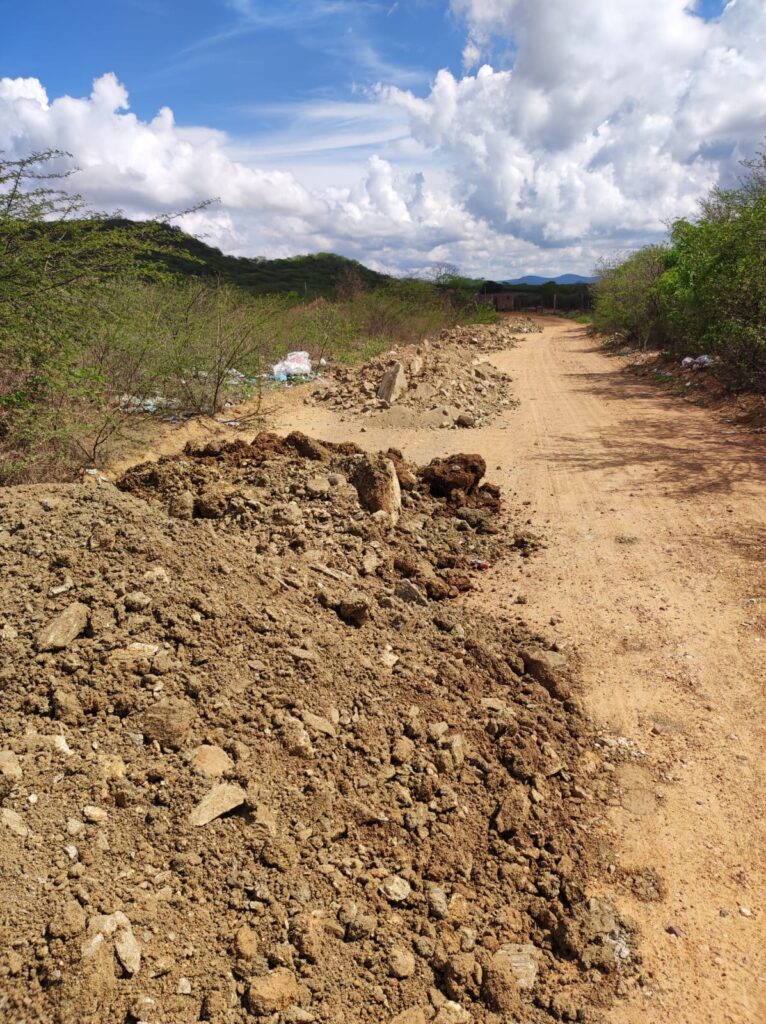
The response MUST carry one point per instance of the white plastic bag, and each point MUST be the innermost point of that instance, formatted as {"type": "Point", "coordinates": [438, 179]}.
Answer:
{"type": "Point", "coordinates": [295, 364]}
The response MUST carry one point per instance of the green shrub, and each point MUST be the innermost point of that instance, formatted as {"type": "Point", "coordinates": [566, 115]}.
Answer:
{"type": "Point", "coordinates": [100, 317]}
{"type": "Point", "coordinates": [703, 292]}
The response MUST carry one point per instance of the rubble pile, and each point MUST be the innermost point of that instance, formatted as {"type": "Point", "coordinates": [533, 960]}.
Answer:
{"type": "Point", "coordinates": [257, 764]}
{"type": "Point", "coordinates": [444, 383]}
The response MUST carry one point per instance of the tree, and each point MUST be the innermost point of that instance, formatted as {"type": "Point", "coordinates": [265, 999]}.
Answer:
{"type": "Point", "coordinates": [443, 274]}
{"type": "Point", "coordinates": [55, 254]}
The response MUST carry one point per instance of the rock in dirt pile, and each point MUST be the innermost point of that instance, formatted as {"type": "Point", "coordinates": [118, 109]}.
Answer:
{"type": "Point", "coordinates": [444, 383]}
{"type": "Point", "coordinates": [257, 764]}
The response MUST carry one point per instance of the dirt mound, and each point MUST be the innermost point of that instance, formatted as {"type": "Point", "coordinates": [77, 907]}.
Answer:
{"type": "Point", "coordinates": [253, 766]}
{"type": "Point", "coordinates": [440, 383]}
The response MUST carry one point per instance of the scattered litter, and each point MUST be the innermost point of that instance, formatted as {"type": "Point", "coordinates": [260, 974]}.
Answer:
{"type": "Point", "coordinates": [700, 363]}
{"type": "Point", "coordinates": [295, 364]}
{"type": "Point", "coordinates": [134, 403]}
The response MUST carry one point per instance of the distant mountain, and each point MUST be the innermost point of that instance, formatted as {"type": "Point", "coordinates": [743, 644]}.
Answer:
{"type": "Point", "coordinates": [535, 279]}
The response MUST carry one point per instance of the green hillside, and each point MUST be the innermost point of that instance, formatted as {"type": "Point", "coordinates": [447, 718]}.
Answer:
{"type": "Point", "coordinates": [311, 275]}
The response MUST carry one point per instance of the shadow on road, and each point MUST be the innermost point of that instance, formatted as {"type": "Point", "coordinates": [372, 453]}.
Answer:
{"type": "Point", "coordinates": [683, 450]}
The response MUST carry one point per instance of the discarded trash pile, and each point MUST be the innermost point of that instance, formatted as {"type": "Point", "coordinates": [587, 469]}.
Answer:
{"type": "Point", "coordinates": [255, 765]}
{"type": "Point", "coordinates": [440, 383]}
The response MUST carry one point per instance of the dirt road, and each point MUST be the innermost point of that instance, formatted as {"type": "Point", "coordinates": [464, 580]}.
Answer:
{"type": "Point", "coordinates": [654, 515]}
{"type": "Point", "coordinates": [655, 577]}
{"type": "Point", "coordinates": [656, 566]}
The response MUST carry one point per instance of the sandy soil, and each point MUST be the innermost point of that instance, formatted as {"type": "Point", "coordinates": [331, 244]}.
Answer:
{"type": "Point", "coordinates": [656, 566]}
{"type": "Point", "coordinates": [654, 514]}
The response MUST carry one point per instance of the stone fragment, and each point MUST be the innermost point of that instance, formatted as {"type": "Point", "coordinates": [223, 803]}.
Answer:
{"type": "Point", "coordinates": [111, 767]}
{"type": "Point", "coordinates": [296, 739]}
{"type": "Point", "coordinates": [212, 761]}
{"type": "Point", "coordinates": [143, 1008]}
{"type": "Point", "coordinates": [548, 668]}
{"type": "Point", "coordinates": [453, 1013]}
{"type": "Point", "coordinates": [319, 723]}
{"type": "Point", "coordinates": [117, 927]}
{"type": "Point", "coordinates": [499, 988]}
{"type": "Point", "coordinates": [522, 959]}
{"type": "Point", "coordinates": [127, 949]}
{"type": "Point", "coordinates": [246, 943]}
{"type": "Point", "coordinates": [95, 815]}
{"type": "Point", "coordinates": [355, 609]}
{"type": "Point", "coordinates": [406, 590]}
{"type": "Point", "coordinates": [512, 810]}
{"type": "Point", "coordinates": [168, 722]}
{"type": "Point", "coordinates": [401, 963]}
{"type": "Point", "coordinates": [403, 750]}
{"type": "Point", "coordinates": [66, 627]}
{"type": "Point", "coordinates": [416, 366]}
{"type": "Point", "coordinates": [370, 563]}
{"type": "Point", "coordinates": [263, 824]}
{"type": "Point", "coordinates": [465, 420]}
{"type": "Point", "coordinates": [10, 768]}
{"type": "Point", "coordinates": [158, 574]}
{"type": "Point", "coordinates": [392, 384]}
{"type": "Point", "coordinates": [272, 993]}
{"type": "Point", "coordinates": [590, 931]}
{"type": "Point", "coordinates": [318, 486]}
{"type": "Point", "coordinates": [438, 904]}
{"type": "Point", "coordinates": [181, 506]}
{"type": "Point", "coordinates": [377, 485]}
{"type": "Point", "coordinates": [362, 927]}
{"type": "Point", "coordinates": [396, 889]}
{"type": "Point", "coordinates": [137, 601]}
{"type": "Point", "coordinates": [220, 800]}
{"type": "Point", "coordinates": [133, 655]}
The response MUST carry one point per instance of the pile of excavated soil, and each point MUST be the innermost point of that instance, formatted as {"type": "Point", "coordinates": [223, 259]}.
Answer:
{"type": "Point", "coordinates": [442, 383]}
{"type": "Point", "coordinates": [255, 763]}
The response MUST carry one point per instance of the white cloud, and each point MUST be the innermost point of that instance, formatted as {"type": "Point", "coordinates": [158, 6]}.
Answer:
{"type": "Point", "coordinates": [148, 167]}
{"type": "Point", "coordinates": [613, 119]}
{"type": "Point", "coordinates": [610, 120]}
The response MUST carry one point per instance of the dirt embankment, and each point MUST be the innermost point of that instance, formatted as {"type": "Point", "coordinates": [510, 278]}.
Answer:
{"type": "Point", "coordinates": [442, 383]}
{"type": "Point", "coordinates": [257, 763]}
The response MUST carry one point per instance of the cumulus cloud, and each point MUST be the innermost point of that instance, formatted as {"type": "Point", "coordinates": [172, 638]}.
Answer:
{"type": "Point", "coordinates": [598, 124]}
{"type": "Point", "coordinates": [149, 167]}
{"type": "Point", "coordinates": [613, 118]}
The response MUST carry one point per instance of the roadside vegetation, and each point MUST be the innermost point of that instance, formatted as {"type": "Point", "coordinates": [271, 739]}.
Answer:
{"type": "Point", "coordinates": [102, 318]}
{"type": "Point", "coordinates": [704, 290]}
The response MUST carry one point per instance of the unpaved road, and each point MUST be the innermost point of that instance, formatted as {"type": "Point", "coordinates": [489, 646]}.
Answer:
{"type": "Point", "coordinates": [655, 516]}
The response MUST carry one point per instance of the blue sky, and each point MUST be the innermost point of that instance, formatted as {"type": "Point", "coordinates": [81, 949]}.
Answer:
{"type": "Point", "coordinates": [216, 63]}
{"type": "Point", "coordinates": [365, 126]}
